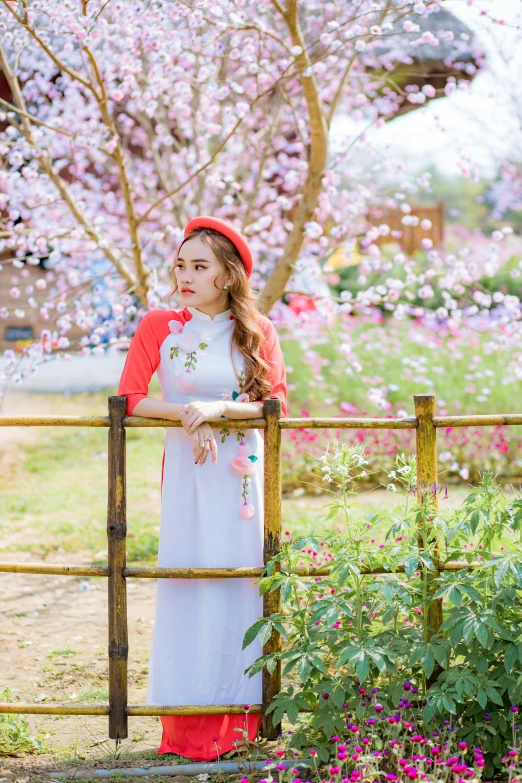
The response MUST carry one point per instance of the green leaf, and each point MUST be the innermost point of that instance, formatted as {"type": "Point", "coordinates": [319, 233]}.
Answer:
{"type": "Point", "coordinates": [456, 632]}
{"type": "Point", "coordinates": [472, 592]}
{"type": "Point", "coordinates": [252, 632]}
{"type": "Point", "coordinates": [286, 590]}
{"type": "Point", "coordinates": [319, 664]}
{"type": "Point", "coordinates": [455, 596]}
{"type": "Point", "coordinates": [481, 633]}
{"type": "Point", "coordinates": [292, 710]}
{"type": "Point", "coordinates": [468, 629]}
{"type": "Point", "coordinates": [265, 633]}
{"type": "Point", "coordinates": [235, 394]}
{"type": "Point", "coordinates": [333, 512]}
{"type": "Point", "coordinates": [428, 663]}
{"type": "Point", "coordinates": [510, 657]}
{"type": "Point", "coordinates": [494, 695]}
{"type": "Point", "coordinates": [482, 698]}
{"type": "Point", "coordinates": [449, 704]}
{"type": "Point", "coordinates": [278, 714]}
{"type": "Point", "coordinates": [410, 565]}
{"type": "Point", "coordinates": [363, 667]}
{"type": "Point", "coordinates": [501, 571]}
{"type": "Point", "coordinates": [440, 653]}
{"type": "Point", "coordinates": [303, 667]}
{"type": "Point", "coordinates": [379, 660]}
{"type": "Point", "coordinates": [429, 710]}
{"type": "Point", "coordinates": [474, 522]}
{"type": "Point", "coordinates": [387, 592]}
{"type": "Point", "coordinates": [451, 621]}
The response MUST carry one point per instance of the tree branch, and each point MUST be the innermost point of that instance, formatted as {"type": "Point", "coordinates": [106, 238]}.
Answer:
{"type": "Point", "coordinates": [59, 63]}
{"type": "Point", "coordinates": [142, 270]}
{"type": "Point", "coordinates": [261, 164]}
{"type": "Point", "coordinates": [276, 283]}
{"type": "Point", "coordinates": [56, 179]}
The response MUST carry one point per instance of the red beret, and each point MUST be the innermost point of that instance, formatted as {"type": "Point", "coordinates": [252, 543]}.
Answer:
{"type": "Point", "coordinates": [235, 236]}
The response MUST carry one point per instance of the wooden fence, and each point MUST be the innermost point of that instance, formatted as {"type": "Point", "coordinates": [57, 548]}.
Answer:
{"type": "Point", "coordinates": [117, 571]}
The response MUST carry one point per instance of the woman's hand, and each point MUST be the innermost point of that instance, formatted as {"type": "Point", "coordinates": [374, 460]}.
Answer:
{"type": "Point", "coordinates": [203, 442]}
{"type": "Point", "coordinates": [195, 413]}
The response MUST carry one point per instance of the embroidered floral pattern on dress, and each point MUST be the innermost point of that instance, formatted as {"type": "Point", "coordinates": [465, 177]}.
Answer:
{"type": "Point", "coordinates": [188, 343]}
{"type": "Point", "coordinates": [243, 462]}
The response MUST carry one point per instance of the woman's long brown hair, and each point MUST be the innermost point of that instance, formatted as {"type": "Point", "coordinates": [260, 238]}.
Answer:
{"type": "Point", "coordinates": [247, 336]}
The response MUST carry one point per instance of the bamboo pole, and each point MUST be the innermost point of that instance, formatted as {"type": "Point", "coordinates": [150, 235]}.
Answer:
{"type": "Point", "coordinates": [243, 424]}
{"type": "Point", "coordinates": [272, 545]}
{"type": "Point", "coordinates": [53, 568]}
{"type": "Point", "coordinates": [426, 446]}
{"type": "Point", "coordinates": [155, 572]}
{"type": "Point", "coordinates": [158, 572]}
{"type": "Point", "coordinates": [481, 420]}
{"type": "Point", "coordinates": [117, 594]}
{"type": "Point", "coordinates": [352, 423]}
{"type": "Point", "coordinates": [406, 423]}
{"type": "Point", "coordinates": [21, 708]}
{"type": "Point", "coordinates": [197, 709]}
{"type": "Point", "coordinates": [54, 421]}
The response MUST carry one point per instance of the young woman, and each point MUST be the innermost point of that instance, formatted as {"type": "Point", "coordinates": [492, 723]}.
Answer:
{"type": "Point", "coordinates": [215, 357]}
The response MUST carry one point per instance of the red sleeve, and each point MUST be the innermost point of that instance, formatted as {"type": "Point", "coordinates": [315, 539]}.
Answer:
{"type": "Point", "coordinates": [143, 356]}
{"type": "Point", "coordinates": [272, 354]}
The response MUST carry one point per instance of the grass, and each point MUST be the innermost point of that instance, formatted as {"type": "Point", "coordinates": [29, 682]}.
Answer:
{"type": "Point", "coordinates": [58, 489]}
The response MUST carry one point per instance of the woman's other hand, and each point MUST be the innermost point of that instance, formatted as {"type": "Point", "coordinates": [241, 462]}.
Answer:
{"type": "Point", "coordinates": [203, 443]}
{"type": "Point", "coordinates": [195, 413]}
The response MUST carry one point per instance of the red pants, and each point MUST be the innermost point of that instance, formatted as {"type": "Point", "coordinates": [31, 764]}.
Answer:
{"type": "Point", "coordinates": [192, 735]}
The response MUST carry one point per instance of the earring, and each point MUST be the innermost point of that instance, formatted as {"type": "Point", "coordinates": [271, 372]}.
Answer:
{"type": "Point", "coordinates": [225, 286]}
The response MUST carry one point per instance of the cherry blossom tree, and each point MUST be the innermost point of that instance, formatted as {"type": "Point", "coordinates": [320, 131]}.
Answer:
{"type": "Point", "coordinates": [126, 119]}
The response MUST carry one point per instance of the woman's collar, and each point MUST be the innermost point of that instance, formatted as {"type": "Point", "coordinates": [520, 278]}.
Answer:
{"type": "Point", "coordinates": [204, 317]}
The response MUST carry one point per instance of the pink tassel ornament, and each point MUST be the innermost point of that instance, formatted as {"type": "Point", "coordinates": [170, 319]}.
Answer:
{"type": "Point", "coordinates": [243, 450]}
{"type": "Point", "coordinates": [247, 510]}
{"type": "Point", "coordinates": [242, 465]}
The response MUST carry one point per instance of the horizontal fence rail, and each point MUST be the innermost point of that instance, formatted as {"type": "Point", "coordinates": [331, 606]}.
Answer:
{"type": "Point", "coordinates": [405, 423]}
{"type": "Point", "coordinates": [425, 424]}
{"type": "Point", "coordinates": [154, 572]}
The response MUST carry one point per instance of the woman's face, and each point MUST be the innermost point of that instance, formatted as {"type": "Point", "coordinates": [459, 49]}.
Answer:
{"type": "Point", "coordinates": [200, 275]}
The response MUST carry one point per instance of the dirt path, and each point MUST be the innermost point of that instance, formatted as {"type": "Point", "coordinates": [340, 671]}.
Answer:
{"type": "Point", "coordinates": [53, 632]}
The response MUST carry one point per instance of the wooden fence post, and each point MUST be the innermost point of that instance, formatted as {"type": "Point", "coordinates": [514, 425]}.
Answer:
{"type": "Point", "coordinates": [426, 445]}
{"type": "Point", "coordinates": [117, 594]}
{"type": "Point", "coordinates": [272, 529]}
